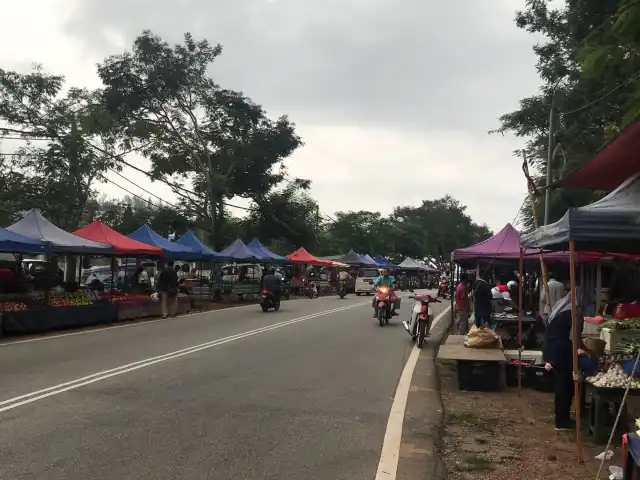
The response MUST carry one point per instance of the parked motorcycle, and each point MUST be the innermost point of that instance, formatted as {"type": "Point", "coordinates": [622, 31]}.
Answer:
{"type": "Point", "coordinates": [269, 300]}
{"type": "Point", "coordinates": [383, 304]}
{"type": "Point", "coordinates": [419, 324]}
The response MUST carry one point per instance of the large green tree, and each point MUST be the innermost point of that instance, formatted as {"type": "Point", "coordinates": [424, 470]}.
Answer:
{"type": "Point", "coordinates": [589, 65]}
{"type": "Point", "coordinates": [70, 143]}
{"type": "Point", "coordinates": [218, 141]}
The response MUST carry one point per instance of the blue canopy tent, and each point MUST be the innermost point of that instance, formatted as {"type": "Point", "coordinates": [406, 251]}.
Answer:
{"type": "Point", "coordinates": [372, 260]}
{"type": "Point", "coordinates": [190, 240]}
{"type": "Point", "coordinates": [171, 250]}
{"type": "Point", "coordinates": [264, 253]}
{"type": "Point", "coordinates": [368, 261]}
{"type": "Point", "coordinates": [239, 251]}
{"type": "Point", "coordinates": [15, 243]}
{"type": "Point", "coordinates": [383, 262]}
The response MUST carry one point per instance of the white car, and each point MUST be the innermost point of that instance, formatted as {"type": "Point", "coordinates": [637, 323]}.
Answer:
{"type": "Point", "coordinates": [365, 280]}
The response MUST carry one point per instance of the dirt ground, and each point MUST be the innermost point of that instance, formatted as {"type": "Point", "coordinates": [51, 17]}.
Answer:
{"type": "Point", "coordinates": [503, 436]}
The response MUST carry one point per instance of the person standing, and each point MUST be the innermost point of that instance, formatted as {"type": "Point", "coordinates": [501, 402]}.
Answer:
{"type": "Point", "coordinates": [556, 292]}
{"type": "Point", "coordinates": [558, 355]}
{"type": "Point", "coordinates": [168, 289]}
{"type": "Point", "coordinates": [463, 305]}
{"type": "Point", "coordinates": [482, 302]}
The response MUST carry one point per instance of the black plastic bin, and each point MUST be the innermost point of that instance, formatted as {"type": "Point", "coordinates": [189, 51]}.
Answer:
{"type": "Point", "coordinates": [479, 376]}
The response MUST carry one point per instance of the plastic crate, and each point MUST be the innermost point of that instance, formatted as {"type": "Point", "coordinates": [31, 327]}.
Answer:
{"type": "Point", "coordinates": [479, 376]}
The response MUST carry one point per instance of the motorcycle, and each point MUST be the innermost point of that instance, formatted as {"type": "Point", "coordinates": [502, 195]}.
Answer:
{"type": "Point", "coordinates": [342, 289]}
{"type": "Point", "coordinates": [269, 300]}
{"type": "Point", "coordinates": [383, 305]}
{"type": "Point", "coordinates": [419, 324]}
{"type": "Point", "coordinates": [443, 290]}
{"type": "Point", "coordinates": [311, 289]}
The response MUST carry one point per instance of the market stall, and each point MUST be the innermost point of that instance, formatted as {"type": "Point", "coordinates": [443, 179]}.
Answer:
{"type": "Point", "coordinates": [264, 254]}
{"type": "Point", "coordinates": [54, 305]}
{"type": "Point", "coordinates": [608, 225]}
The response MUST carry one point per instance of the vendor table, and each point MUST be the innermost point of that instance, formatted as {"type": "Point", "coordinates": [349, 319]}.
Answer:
{"type": "Point", "coordinates": [479, 369]}
{"type": "Point", "coordinates": [605, 403]}
{"type": "Point", "coordinates": [57, 318]}
{"type": "Point", "coordinates": [510, 323]}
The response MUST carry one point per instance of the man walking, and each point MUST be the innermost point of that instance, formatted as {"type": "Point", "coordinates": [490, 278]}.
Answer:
{"type": "Point", "coordinates": [168, 288]}
{"type": "Point", "coordinates": [556, 293]}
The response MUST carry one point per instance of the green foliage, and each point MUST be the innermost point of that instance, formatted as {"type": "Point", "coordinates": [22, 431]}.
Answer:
{"type": "Point", "coordinates": [590, 66]}
{"type": "Point", "coordinates": [217, 139]}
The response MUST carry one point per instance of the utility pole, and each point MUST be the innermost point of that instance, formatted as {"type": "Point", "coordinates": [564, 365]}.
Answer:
{"type": "Point", "coordinates": [550, 152]}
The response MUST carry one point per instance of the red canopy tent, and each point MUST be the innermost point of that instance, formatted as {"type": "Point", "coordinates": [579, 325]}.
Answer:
{"type": "Point", "coordinates": [611, 165]}
{"type": "Point", "coordinates": [302, 256]}
{"type": "Point", "coordinates": [123, 245]}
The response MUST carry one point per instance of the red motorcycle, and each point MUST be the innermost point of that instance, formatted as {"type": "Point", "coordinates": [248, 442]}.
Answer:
{"type": "Point", "coordinates": [384, 303]}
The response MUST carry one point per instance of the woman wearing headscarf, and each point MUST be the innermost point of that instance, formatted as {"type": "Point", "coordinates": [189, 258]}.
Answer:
{"type": "Point", "coordinates": [558, 354]}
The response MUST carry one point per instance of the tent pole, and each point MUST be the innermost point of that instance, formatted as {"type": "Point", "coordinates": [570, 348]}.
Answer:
{"type": "Point", "coordinates": [598, 287]}
{"type": "Point", "coordinates": [575, 344]}
{"type": "Point", "coordinates": [520, 289]}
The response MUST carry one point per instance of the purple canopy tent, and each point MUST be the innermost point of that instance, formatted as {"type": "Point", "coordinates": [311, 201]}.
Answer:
{"type": "Point", "coordinates": [504, 245]}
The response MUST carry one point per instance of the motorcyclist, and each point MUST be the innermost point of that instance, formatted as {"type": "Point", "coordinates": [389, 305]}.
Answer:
{"type": "Point", "coordinates": [271, 283]}
{"type": "Point", "coordinates": [387, 280]}
{"type": "Point", "coordinates": [343, 278]}
{"type": "Point", "coordinates": [404, 281]}
{"type": "Point", "coordinates": [444, 285]}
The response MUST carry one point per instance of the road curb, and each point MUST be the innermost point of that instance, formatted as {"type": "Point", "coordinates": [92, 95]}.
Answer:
{"type": "Point", "coordinates": [422, 436]}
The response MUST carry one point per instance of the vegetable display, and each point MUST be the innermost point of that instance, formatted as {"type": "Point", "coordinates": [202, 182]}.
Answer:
{"type": "Point", "coordinates": [613, 378]}
{"type": "Point", "coordinates": [627, 324]}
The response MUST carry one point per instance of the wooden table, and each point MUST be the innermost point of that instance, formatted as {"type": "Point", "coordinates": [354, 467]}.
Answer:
{"type": "Point", "coordinates": [479, 369]}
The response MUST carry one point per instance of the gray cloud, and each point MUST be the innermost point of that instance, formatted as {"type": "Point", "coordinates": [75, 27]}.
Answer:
{"type": "Point", "coordinates": [411, 63]}
{"type": "Point", "coordinates": [397, 91]}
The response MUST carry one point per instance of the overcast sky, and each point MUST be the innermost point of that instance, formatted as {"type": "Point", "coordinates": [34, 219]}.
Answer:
{"type": "Point", "coordinates": [393, 98]}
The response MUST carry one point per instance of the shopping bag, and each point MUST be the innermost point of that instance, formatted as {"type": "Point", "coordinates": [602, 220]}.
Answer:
{"type": "Point", "coordinates": [482, 337]}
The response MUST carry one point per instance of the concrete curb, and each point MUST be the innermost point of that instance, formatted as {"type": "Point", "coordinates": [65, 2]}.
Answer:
{"type": "Point", "coordinates": [422, 436]}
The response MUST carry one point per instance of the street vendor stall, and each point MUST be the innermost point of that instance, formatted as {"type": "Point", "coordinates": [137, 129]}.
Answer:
{"type": "Point", "coordinates": [608, 225]}
{"type": "Point", "coordinates": [51, 306]}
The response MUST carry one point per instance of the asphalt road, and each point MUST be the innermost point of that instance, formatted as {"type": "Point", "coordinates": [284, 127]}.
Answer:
{"type": "Point", "coordinates": [303, 393]}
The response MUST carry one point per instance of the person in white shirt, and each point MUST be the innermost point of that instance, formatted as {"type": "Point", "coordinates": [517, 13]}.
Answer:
{"type": "Point", "coordinates": [556, 292]}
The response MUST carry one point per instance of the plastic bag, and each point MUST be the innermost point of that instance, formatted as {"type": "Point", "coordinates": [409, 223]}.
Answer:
{"type": "Point", "coordinates": [482, 337]}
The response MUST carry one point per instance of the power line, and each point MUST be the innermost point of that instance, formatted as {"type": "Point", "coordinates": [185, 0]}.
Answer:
{"type": "Point", "coordinates": [616, 88]}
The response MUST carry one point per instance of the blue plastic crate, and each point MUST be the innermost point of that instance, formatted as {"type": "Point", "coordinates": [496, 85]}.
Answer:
{"type": "Point", "coordinates": [627, 366]}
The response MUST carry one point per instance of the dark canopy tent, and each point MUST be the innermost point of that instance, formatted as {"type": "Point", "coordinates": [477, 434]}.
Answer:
{"type": "Point", "coordinates": [15, 243]}
{"type": "Point", "coordinates": [612, 224]}
{"type": "Point", "coordinates": [239, 251]}
{"type": "Point", "coordinates": [383, 262]}
{"type": "Point", "coordinates": [190, 240]}
{"type": "Point", "coordinates": [370, 261]}
{"type": "Point", "coordinates": [34, 225]}
{"type": "Point", "coordinates": [352, 258]}
{"type": "Point", "coordinates": [264, 253]}
{"type": "Point", "coordinates": [170, 250]}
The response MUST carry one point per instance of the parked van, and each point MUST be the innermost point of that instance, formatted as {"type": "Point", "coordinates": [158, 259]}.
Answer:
{"type": "Point", "coordinates": [365, 280]}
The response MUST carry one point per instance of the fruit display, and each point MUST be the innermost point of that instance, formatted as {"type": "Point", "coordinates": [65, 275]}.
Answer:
{"type": "Point", "coordinates": [70, 299]}
{"type": "Point", "coordinates": [13, 307]}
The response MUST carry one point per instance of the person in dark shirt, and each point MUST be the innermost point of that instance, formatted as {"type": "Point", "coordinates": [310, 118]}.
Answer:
{"type": "Point", "coordinates": [271, 283]}
{"type": "Point", "coordinates": [482, 302]}
{"type": "Point", "coordinates": [558, 354]}
{"type": "Point", "coordinates": [168, 289]}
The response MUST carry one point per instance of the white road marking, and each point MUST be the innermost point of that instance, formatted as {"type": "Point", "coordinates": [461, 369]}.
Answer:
{"type": "Point", "coordinates": [136, 323]}
{"type": "Point", "coordinates": [388, 465]}
{"type": "Point", "coordinates": [96, 377]}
